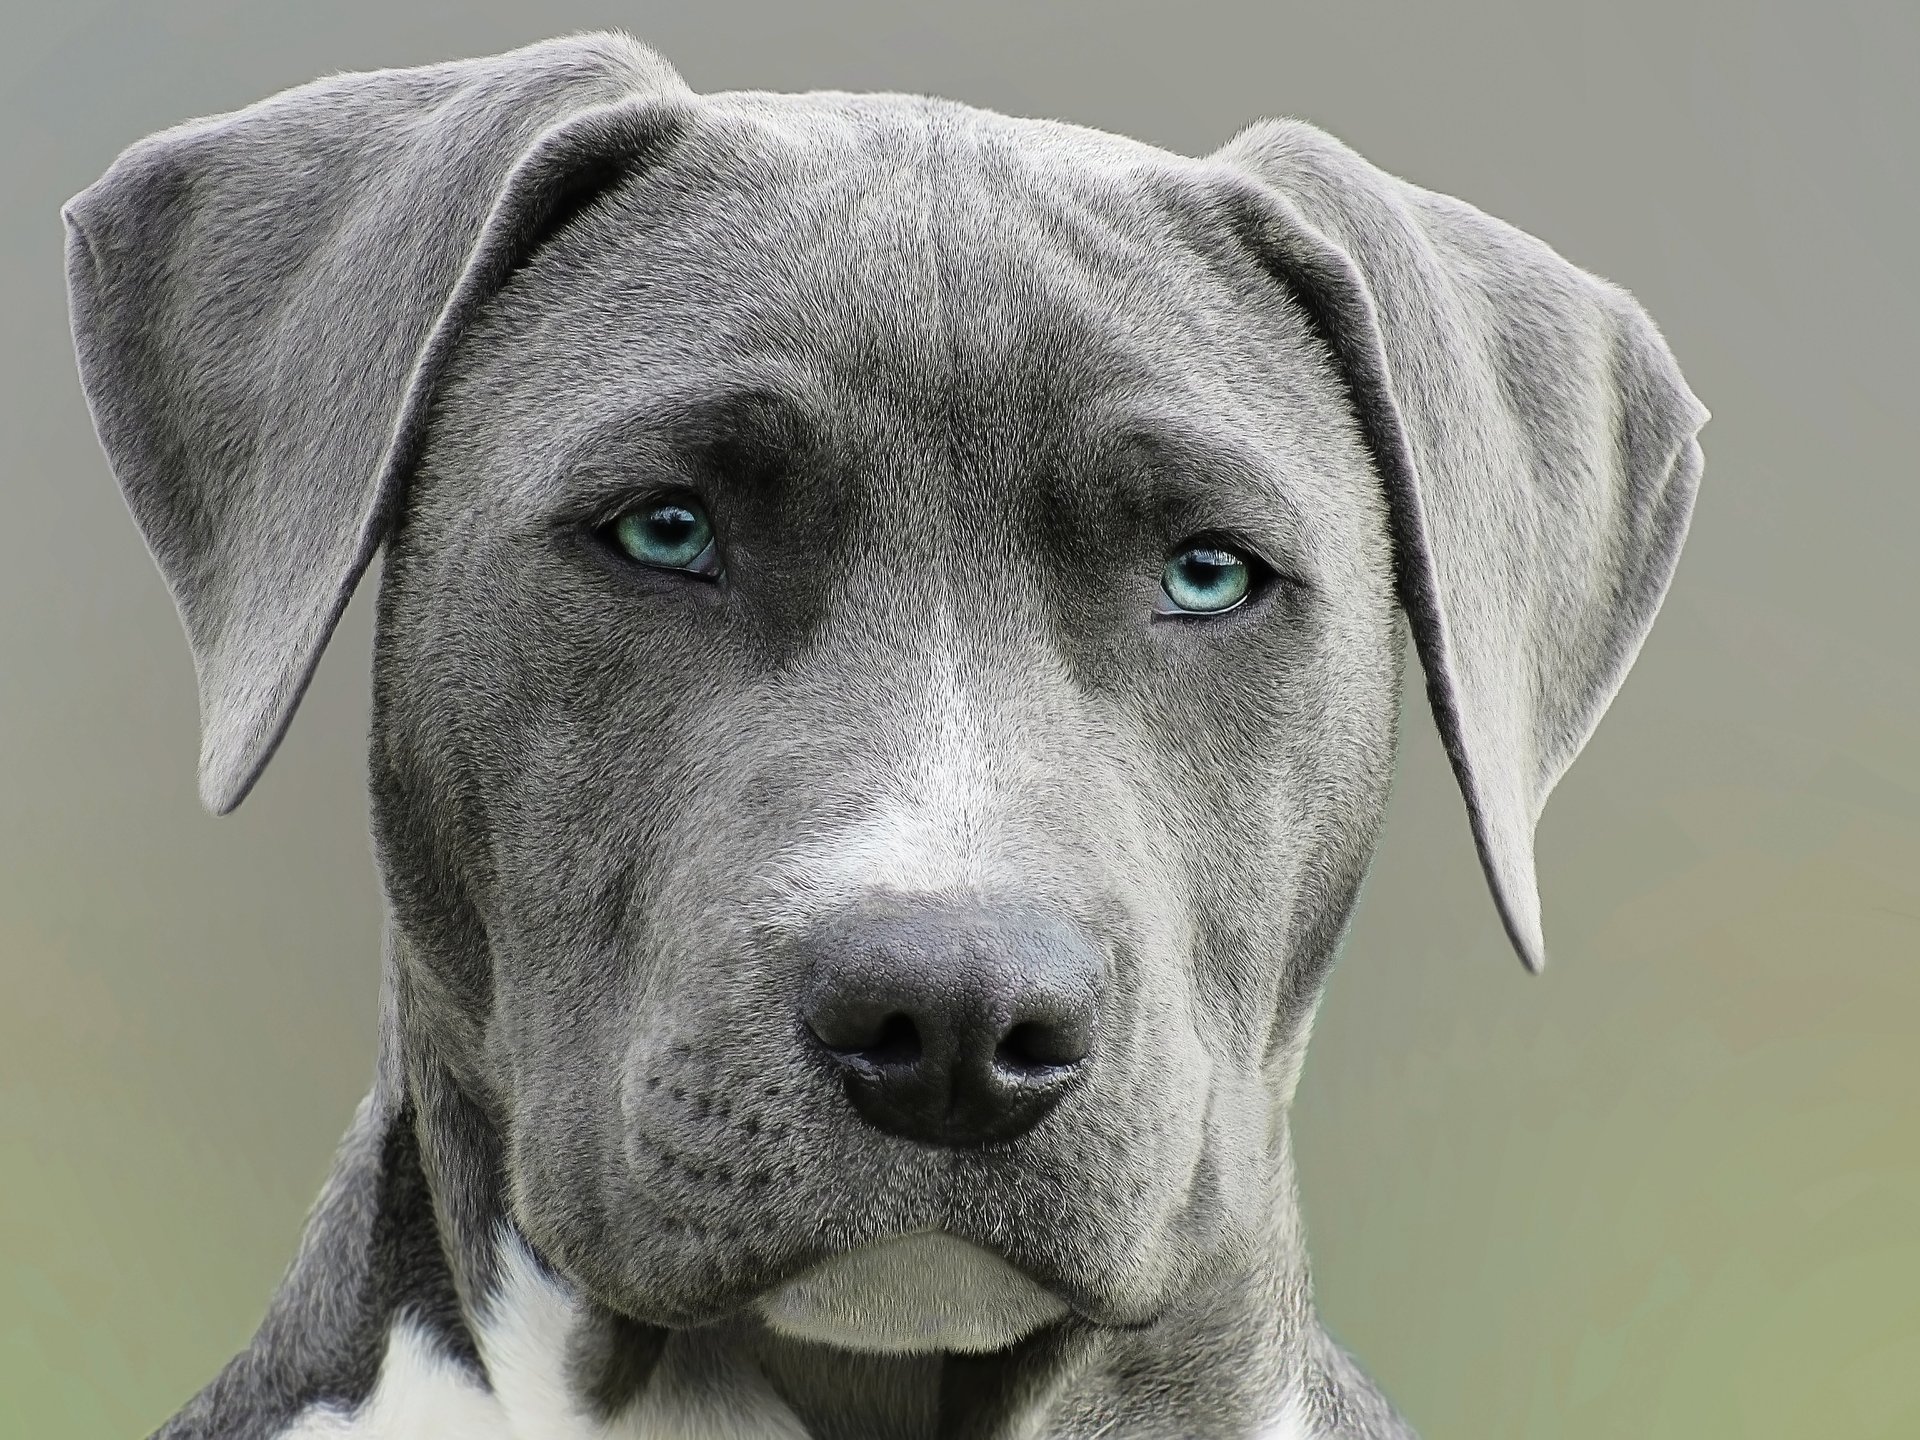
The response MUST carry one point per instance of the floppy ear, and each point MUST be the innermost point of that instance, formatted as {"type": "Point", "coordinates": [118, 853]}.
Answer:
{"type": "Point", "coordinates": [261, 304]}
{"type": "Point", "coordinates": [1537, 446]}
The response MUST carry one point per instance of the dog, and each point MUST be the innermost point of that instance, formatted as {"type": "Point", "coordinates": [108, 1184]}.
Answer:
{"type": "Point", "coordinates": [885, 686]}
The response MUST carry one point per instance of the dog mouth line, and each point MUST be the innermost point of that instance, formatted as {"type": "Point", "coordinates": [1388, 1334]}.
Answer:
{"type": "Point", "coordinates": [926, 1290]}
{"type": "Point", "coordinates": [1003, 1302]}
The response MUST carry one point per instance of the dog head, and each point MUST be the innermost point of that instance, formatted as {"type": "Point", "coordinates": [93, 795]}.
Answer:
{"type": "Point", "coordinates": [889, 640]}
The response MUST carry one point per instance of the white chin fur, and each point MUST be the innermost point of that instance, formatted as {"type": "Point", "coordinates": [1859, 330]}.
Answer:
{"type": "Point", "coordinates": [910, 1295]}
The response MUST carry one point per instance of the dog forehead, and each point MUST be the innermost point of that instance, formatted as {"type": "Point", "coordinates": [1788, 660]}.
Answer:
{"type": "Point", "coordinates": [891, 231]}
{"type": "Point", "coordinates": [909, 267]}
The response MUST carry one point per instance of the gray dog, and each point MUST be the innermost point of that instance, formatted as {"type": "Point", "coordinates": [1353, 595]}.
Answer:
{"type": "Point", "coordinates": [884, 694]}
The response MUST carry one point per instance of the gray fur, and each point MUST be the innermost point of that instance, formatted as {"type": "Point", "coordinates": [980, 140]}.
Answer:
{"type": "Point", "coordinates": [953, 384]}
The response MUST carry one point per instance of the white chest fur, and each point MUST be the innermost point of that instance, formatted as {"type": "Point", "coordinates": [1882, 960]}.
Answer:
{"type": "Point", "coordinates": [423, 1394]}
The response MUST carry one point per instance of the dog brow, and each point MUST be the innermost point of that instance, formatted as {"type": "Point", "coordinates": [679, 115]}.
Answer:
{"type": "Point", "coordinates": [742, 427]}
{"type": "Point", "coordinates": [1196, 476]}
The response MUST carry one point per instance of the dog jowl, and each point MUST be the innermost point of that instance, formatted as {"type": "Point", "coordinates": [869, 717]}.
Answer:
{"type": "Point", "coordinates": [885, 676]}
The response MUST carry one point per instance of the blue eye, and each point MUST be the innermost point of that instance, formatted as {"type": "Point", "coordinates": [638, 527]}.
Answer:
{"type": "Point", "coordinates": [671, 535]}
{"type": "Point", "coordinates": [1205, 579]}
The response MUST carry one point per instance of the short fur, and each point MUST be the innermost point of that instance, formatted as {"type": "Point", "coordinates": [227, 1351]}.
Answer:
{"type": "Point", "coordinates": [953, 385]}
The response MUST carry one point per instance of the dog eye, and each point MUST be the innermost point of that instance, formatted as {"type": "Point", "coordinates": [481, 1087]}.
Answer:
{"type": "Point", "coordinates": [668, 535]}
{"type": "Point", "coordinates": [1205, 579]}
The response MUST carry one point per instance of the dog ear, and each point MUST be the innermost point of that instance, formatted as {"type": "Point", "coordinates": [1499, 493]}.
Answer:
{"type": "Point", "coordinates": [1537, 446]}
{"type": "Point", "coordinates": [262, 301]}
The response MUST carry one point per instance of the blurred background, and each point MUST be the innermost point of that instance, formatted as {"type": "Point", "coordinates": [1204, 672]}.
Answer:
{"type": "Point", "coordinates": [1671, 1188]}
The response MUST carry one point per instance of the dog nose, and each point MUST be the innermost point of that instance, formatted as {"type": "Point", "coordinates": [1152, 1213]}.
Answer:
{"type": "Point", "coordinates": [952, 1024]}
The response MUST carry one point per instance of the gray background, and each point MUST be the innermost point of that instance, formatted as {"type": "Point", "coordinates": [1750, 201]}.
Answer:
{"type": "Point", "coordinates": [1671, 1188]}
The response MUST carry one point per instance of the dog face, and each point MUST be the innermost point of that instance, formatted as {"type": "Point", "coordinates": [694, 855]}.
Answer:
{"type": "Point", "coordinates": [888, 648]}
{"type": "Point", "coordinates": [926, 684]}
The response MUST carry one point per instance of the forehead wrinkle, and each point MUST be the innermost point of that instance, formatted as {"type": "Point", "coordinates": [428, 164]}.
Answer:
{"type": "Point", "coordinates": [775, 413]}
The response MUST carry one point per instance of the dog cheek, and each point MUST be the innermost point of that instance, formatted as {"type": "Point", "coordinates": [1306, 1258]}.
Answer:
{"type": "Point", "coordinates": [558, 1186]}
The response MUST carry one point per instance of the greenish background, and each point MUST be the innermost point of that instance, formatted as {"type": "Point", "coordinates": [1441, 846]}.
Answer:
{"type": "Point", "coordinates": [1669, 1189]}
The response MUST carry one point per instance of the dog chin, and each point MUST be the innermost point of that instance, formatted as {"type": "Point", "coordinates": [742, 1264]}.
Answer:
{"type": "Point", "coordinates": [912, 1294]}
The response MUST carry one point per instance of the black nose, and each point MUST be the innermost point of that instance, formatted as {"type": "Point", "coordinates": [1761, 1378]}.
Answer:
{"type": "Point", "coordinates": [951, 1024]}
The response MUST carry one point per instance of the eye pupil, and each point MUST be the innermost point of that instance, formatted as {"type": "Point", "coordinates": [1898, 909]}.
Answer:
{"type": "Point", "coordinates": [671, 524]}
{"type": "Point", "coordinates": [1204, 569]}
{"type": "Point", "coordinates": [1206, 579]}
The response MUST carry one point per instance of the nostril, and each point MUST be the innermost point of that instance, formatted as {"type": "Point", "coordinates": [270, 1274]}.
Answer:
{"type": "Point", "coordinates": [897, 1043]}
{"type": "Point", "coordinates": [889, 1038]}
{"type": "Point", "coordinates": [1032, 1046]}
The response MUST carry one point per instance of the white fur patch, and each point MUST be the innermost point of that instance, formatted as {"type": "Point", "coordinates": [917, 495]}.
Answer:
{"type": "Point", "coordinates": [522, 1338]}
{"type": "Point", "coordinates": [422, 1394]}
{"type": "Point", "coordinates": [912, 1295]}
{"type": "Point", "coordinates": [1290, 1423]}
{"type": "Point", "coordinates": [935, 831]}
